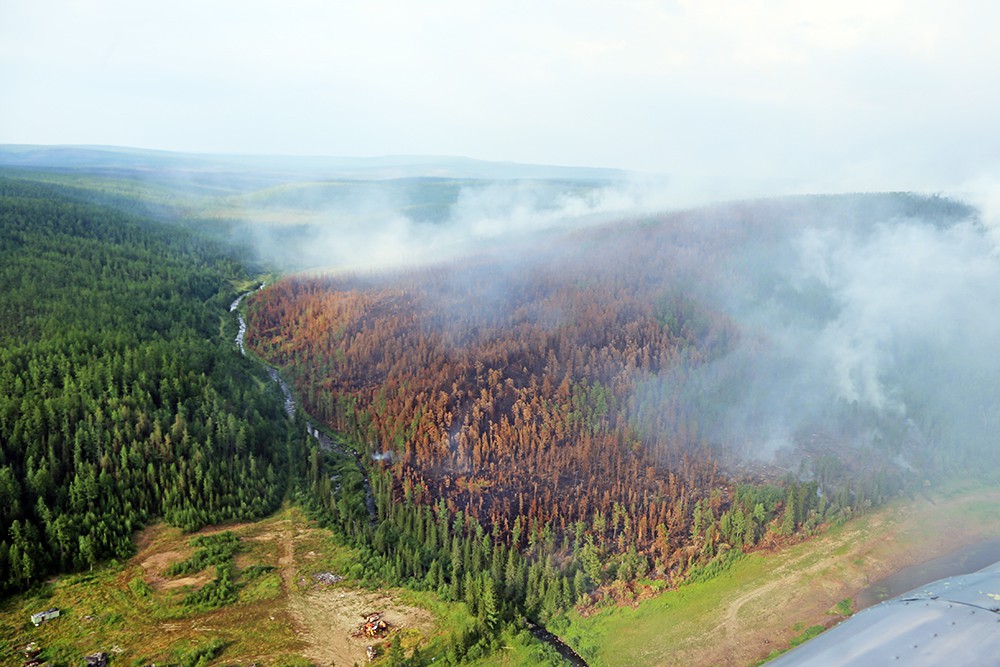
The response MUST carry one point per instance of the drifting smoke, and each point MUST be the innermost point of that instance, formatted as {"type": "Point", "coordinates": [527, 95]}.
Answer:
{"type": "Point", "coordinates": [364, 226]}
{"type": "Point", "coordinates": [865, 322]}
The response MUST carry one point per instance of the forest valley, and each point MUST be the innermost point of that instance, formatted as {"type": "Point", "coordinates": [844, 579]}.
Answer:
{"type": "Point", "coordinates": [542, 427]}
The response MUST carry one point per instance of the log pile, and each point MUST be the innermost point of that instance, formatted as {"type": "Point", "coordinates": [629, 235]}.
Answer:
{"type": "Point", "coordinates": [374, 627]}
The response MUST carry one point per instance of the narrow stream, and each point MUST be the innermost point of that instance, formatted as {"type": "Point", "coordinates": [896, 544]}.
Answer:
{"type": "Point", "coordinates": [242, 334]}
{"type": "Point", "coordinates": [329, 444]}
{"type": "Point", "coordinates": [564, 649]}
{"type": "Point", "coordinates": [325, 442]}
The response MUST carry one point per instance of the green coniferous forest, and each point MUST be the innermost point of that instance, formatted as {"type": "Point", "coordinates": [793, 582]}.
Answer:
{"type": "Point", "coordinates": [120, 399]}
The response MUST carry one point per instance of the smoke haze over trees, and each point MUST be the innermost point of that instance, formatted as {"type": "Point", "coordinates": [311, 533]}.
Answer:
{"type": "Point", "coordinates": [557, 391]}
{"type": "Point", "coordinates": [604, 373]}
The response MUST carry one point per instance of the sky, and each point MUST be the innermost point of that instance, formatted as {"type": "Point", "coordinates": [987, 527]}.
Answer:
{"type": "Point", "coordinates": [743, 97]}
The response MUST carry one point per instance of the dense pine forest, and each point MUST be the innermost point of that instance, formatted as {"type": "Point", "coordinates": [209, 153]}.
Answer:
{"type": "Point", "coordinates": [120, 399]}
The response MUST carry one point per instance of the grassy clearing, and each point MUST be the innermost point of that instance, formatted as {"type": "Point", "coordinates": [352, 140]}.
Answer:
{"type": "Point", "coordinates": [453, 618]}
{"type": "Point", "coordinates": [679, 619]}
{"type": "Point", "coordinates": [135, 610]}
{"type": "Point", "coordinates": [765, 601]}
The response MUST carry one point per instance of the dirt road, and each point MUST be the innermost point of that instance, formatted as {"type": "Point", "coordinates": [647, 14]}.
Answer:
{"type": "Point", "coordinates": [805, 583]}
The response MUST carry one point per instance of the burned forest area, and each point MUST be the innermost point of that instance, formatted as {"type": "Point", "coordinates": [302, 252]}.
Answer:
{"type": "Point", "coordinates": [620, 409]}
{"type": "Point", "coordinates": [627, 334]}
{"type": "Point", "coordinates": [463, 460]}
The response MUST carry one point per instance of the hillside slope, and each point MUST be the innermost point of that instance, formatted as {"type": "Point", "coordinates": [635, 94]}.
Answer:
{"type": "Point", "coordinates": [577, 397]}
{"type": "Point", "coordinates": [119, 399]}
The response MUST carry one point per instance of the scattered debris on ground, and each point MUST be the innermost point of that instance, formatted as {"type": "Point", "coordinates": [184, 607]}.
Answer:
{"type": "Point", "coordinates": [97, 659]}
{"type": "Point", "coordinates": [371, 652]}
{"type": "Point", "coordinates": [31, 652]}
{"type": "Point", "coordinates": [374, 627]}
{"type": "Point", "coordinates": [327, 577]}
{"type": "Point", "coordinates": [330, 616]}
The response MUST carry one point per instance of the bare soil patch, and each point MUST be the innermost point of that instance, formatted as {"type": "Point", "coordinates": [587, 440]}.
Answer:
{"type": "Point", "coordinates": [325, 618]}
{"type": "Point", "coordinates": [144, 538]}
{"type": "Point", "coordinates": [171, 584]}
{"type": "Point", "coordinates": [329, 617]}
{"type": "Point", "coordinates": [159, 562]}
{"type": "Point", "coordinates": [155, 565]}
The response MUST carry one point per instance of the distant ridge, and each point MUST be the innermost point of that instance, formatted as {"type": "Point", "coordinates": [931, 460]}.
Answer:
{"type": "Point", "coordinates": [115, 159]}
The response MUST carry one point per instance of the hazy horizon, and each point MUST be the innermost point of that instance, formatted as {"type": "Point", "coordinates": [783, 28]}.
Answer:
{"type": "Point", "coordinates": [724, 99]}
